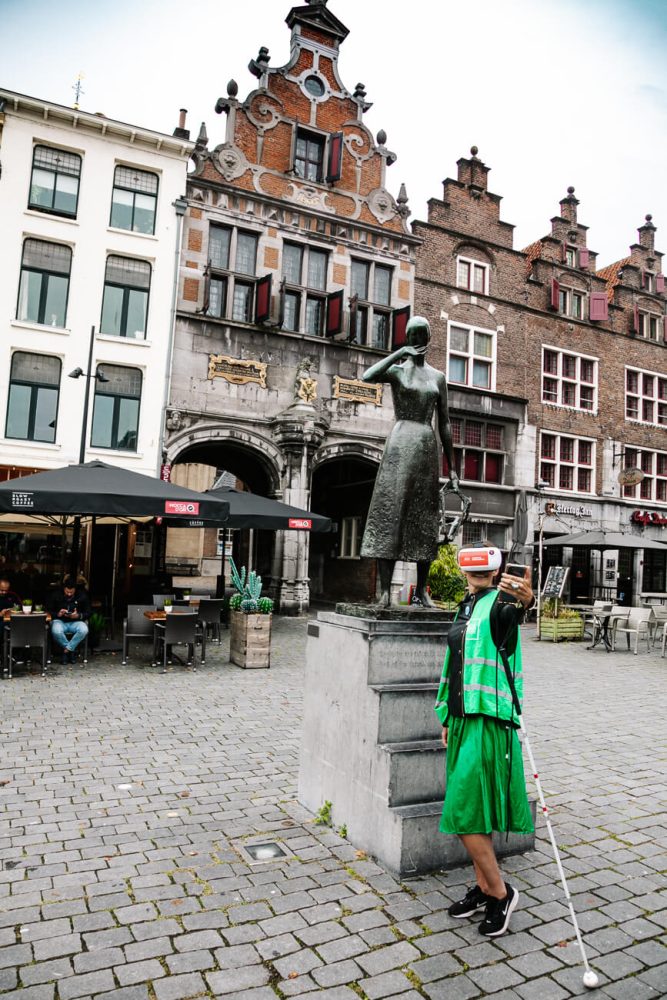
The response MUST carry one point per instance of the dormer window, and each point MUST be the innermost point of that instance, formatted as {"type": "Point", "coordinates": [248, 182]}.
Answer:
{"type": "Point", "coordinates": [571, 256]}
{"type": "Point", "coordinates": [473, 275]}
{"type": "Point", "coordinates": [309, 156]}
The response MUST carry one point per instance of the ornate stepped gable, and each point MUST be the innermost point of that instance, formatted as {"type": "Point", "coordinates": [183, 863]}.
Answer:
{"type": "Point", "coordinates": [299, 137]}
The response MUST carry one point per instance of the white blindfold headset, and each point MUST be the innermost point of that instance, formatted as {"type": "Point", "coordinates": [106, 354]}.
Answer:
{"type": "Point", "coordinates": [482, 560]}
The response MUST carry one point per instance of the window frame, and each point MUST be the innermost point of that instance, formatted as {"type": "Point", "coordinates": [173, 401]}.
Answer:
{"type": "Point", "coordinates": [34, 207]}
{"type": "Point", "coordinates": [365, 311]}
{"type": "Point", "coordinates": [576, 465]}
{"type": "Point", "coordinates": [568, 294]}
{"type": "Point", "coordinates": [635, 456]}
{"type": "Point", "coordinates": [472, 263]}
{"type": "Point", "coordinates": [642, 398]}
{"type": "Point", "coordinates": [127, 290]}
{"type": "Point", "coordinates": [462, 448]}
{"type": "Point", "coordinates": [351, 535]}
{"type": "Point", "coordinates": [319, 138]}
{"type": "Point", "coordinates": [560, 379]}
{"type": "Point", "coordinates": [646, 319]}
{"type": "Point", "coordinates": [34, 397]}
{"type": "Point", "coordinates": [117, 398]}
{"type": "Point", "coordinates": [43, 294]}
{"type": "Point", "coordinates": [304, 293]}
{"type": "Point", "coordinates": [120, 187]}
{"type": "Point", "coordinates": [229, 277]}
{"type": "Point", "coordinates": [470, 355]}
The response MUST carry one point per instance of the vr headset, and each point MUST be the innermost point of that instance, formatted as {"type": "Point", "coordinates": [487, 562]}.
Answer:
{"type": "Point", "coordinates": [479, 560]}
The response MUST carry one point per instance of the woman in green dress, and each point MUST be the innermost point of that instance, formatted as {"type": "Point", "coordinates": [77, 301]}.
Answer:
{"type": "Point", "coordinates": [486, 788]}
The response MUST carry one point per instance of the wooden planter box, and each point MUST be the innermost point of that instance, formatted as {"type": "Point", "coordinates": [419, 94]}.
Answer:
{"type": "Point", "coordinates": [250, 641]}
{"type": "Point", "coordinates": [559, 629]}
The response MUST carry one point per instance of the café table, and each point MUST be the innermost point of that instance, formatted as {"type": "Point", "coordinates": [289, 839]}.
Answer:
{"type": "Point", "coordinates": [600, 618]}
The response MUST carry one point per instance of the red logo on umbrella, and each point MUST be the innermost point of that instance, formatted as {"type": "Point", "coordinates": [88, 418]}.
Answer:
{"type": "Point", "coordinates": [181, 507]}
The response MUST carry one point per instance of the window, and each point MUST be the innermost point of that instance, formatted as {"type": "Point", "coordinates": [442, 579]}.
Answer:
{"type": "Point", "coordinates": [569, 379]}
{"type": "Point", "coordinates": [54, 184]}
{"type": "Point", "coordinates": [134, 200]}
{"type": "Point", "coordinates": [304, 289]}
{"type": "Point", "coordinates": [32, 407]}
{"type": "Point", "coordinates": [116, 409]}
{"type": "Point", "coordinates": [472, 275]}
{"type": "Point", "coordinates": [650, 325]}
{"type": "Point", "coordinates": [232, 259]}
{"type": "Point", "coordinates": [471, 358]}
{"type": "Point", "coordinates": [567, 463]}
{"type": "Point", "coordinates": [479, 450]}
{"type": "Point", "coordinates": [570, 254]}
{"type": "Point", "coordinates": [127, 284]}
{"type": "Point", "coordinates": [350, 538]}
{"type": "Point", "coordinates": [309, 156]}
{"type": "Point", "coordinates": [44, 286]}
{"type": "Point", "coordinates": [571, 302]}
{"type": "Point", "coordinates": [370, 318]}
{"type": "Point", "coordinates": [478, 531]}
{"type": "Point", "coordinates": [645, 397]}
{"type": "Point", "coordinates": [654, 466]}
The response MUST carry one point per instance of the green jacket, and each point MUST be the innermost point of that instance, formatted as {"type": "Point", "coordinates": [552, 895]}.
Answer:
{"type": "Point", "coordinates": [485, 687]}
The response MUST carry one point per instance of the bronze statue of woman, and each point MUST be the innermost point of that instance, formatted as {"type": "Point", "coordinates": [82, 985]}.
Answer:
{"type": "Point", "coordinates": [404, 514]}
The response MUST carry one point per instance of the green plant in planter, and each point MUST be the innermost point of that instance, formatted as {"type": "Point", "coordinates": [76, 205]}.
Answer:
{"type": "Point", "coordinates": [167, 603]}
{"type": "Point", "coordinates": [445, 579]}
{"type": "Point", "coordinates": [248, 592]}
{"type": "Point", "coordinates": [96, 625]}
{"type": "Point", "coordinates": [554, 609]}
{"type": "Point", "coordinates": [27, 602]}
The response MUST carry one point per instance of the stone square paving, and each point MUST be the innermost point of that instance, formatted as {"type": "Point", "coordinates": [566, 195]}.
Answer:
{"type": "Point", "coordinates": [127, 795]}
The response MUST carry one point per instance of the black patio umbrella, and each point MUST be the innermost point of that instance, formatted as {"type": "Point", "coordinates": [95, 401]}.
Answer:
{"type": "Point", "coordinates": [603, 540]}
{"type": "Point", "coordinates": [247, 510]}
{"type": "Point", "coordinates": [95, 489]}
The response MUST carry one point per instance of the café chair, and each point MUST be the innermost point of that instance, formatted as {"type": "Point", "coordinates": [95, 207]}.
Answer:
{"type": "Point", "coordinates": [176, 630]}
{"type": "Point", "coordinates": [210, 617]}
{"type": "Point", "coordinates": [26, 632]}
{"type": "Point", "coordinates": [136, 626]}
{"type": "Point", "coordinates": [639, 623]}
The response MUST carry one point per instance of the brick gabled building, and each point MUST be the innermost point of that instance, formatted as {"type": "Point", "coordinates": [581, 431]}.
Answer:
{"type": "Point", "coordinates": [297, 269]}
{"type": "Point", "coordinates": [557, 375]}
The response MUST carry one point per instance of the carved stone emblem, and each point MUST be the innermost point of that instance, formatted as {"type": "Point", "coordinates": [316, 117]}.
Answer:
{"type": "Point", "coordinates": [305, 386]}
{"type": "Point", "coordinates": [381, 205]}
{"type": "Point", "coordinates": [231, 162]}
{"type": "Point", "coordinates": [236, 371]}
{"type": "Point", "coordinates": [356, 391]}
{"type": "Point", "coordinates": [310, 196]}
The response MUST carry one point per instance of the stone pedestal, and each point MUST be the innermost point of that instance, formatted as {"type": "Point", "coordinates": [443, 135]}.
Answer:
{"type": "Point", "coordinates": [371, 741]}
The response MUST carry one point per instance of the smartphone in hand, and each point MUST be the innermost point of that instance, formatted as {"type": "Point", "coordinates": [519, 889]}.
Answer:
{"type": "Point", "coordinates": [512, 569]}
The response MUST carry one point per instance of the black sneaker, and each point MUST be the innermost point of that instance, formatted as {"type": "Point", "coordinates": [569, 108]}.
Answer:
{"type": "Point", "coordinates": [67, 657]}
{"type": "Point", "coordinates": [498, 913]}
{"type": "Point", "coordinates": [473, 900]}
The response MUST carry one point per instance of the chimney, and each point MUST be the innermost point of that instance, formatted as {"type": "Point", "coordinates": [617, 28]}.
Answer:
{"type": "Point", "coordinates": [472, 172]}
{"type": "Point", "coordinates": [568, 207]}
{"type": "Point", "coordinates": [181, 132]}
{"type": "Point", "coordinates": [647, 235]}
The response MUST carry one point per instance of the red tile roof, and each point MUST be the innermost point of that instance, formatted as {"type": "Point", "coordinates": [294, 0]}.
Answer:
{"type": "Point", "coordinates": [533, 253]}
{"type": "Point", "coordinates": [611, 275]}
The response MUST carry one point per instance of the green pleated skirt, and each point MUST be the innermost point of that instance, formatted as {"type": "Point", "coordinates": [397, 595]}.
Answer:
{"type": "Point", "coordinates": [486, 787]}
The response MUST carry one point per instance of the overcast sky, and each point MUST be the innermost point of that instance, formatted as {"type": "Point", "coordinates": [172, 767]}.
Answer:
{"type": "Point", "coordinates": [553, 92]}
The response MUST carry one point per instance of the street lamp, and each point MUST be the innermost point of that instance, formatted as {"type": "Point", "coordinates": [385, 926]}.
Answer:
{"type": "Point", "coordinates": [541, 486]}
{"type": "Point", "coordinates": [99, 377]}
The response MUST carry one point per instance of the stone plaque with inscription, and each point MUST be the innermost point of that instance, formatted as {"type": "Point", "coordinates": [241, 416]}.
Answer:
{"type": "Point", "coordinates": [236, 371]}
{"type": "Point", "coordinates": [356, 391]}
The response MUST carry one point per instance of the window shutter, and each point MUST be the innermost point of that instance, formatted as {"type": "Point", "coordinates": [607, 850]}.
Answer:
{"type": "Point", "coordinates": [555, 293]}
{"type": "Point", "coordinates": [563, 252]}
{"type": "Point", "coordinates": [334, 313]}
{"type": "Point", "coordinates": [354, 306]}
{"type": "Point", "coordinates": [599, 308]}
{"type": "Point", "coordinates": [335, 164]}
{"type": "Point", "coordinates": [400, 319]}
{"type": "Point", "coordinates": [583, 258]}
{"type": "Point", "coordinates": [263, 299]}
{"type": "Point", "coordinates": [644, 282]}
{"type": "Point", "coordinates": [207, 289]}
{"type": "Point", "coordinates": [660, 284]}
{"type": "Point", "coordinates": [664, 330]}
{"type": "Point", "coordinates": [635, 319]}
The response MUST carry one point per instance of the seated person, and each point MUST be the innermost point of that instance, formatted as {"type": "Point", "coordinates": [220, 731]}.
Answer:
{"type": "Point", "coordinates": [7, 596]}
{"type": "Point", "coordinates": [70, 609]}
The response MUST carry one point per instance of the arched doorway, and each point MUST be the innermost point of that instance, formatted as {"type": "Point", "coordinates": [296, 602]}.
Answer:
{"type": "Point", "coordinates": [342, 488]}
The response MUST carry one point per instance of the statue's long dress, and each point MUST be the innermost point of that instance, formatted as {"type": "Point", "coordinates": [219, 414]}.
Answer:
{"type": "Point", "coordinates": [404, 513]}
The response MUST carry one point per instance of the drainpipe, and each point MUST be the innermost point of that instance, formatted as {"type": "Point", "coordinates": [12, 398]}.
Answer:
{"type": "Point", "coordinates": [180, 206]}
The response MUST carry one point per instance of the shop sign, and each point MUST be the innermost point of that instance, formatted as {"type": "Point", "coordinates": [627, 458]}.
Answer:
{"type": "Point", "coordinates": [165, 472]}
{"type": "Point", "coordinates": [648, 517]}
{"type": "Point", "coordinates": [356, 391]}
{"type": "Point", "coordinates": [300, 523]}
{"type": "Point", "coordinates": [23, 500]}
{"type": "Point", "coordinates": [574, 510]}
{"type": "Point", "coordinates": [236, 371]}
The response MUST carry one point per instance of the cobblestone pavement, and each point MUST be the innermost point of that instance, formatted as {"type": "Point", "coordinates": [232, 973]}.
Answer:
{"type": "Point", "coordinates": [125, 795]}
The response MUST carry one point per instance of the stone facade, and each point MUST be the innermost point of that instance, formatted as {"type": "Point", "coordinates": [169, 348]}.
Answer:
{"type": "Point", "coordinates": [297, 272]}
{"type": "Point", "coordinates": [563, 364]}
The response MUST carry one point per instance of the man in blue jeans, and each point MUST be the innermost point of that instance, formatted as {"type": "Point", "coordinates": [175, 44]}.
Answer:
{"type": "Point", "coordinates": [70, 609]}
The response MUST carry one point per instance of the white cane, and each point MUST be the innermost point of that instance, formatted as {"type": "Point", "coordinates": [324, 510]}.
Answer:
{"type": "Point", "coordinates": [590, 979]}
